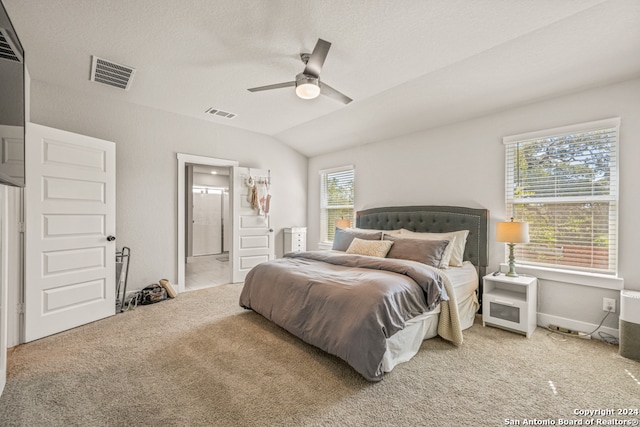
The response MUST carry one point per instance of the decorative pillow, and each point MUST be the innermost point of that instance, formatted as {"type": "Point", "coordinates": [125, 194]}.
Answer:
{"type": "Point", "coordinates": [372, 231]}
{"type": "Point", "coordinates": [426, 251]}
{"type": "Point", "coordinates": [343, 238]}
{"type": "Point", "coordinates": [362, 230]}
{"type": "Point", "coordinates": [458, 245]}
{"type": "Point", "coordinates": [446, 257]}
{"type": "Point", "coordinates": [377, 248]}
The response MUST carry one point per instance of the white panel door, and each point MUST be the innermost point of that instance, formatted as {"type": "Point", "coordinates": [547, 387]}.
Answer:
{"type": "Point", "coordinates": [70, 228]}
{"type": "Point", "coordinates": [252, 233]}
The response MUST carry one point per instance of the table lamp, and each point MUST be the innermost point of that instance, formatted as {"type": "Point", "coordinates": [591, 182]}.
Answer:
{"type": "Point", "coordinates": [343, 223]}
{"type": "Point", "coordinates": [512, 233]}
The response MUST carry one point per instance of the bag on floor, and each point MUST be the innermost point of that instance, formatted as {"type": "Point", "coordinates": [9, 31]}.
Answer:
{"type": "Point", "coordinates": [151, 294]}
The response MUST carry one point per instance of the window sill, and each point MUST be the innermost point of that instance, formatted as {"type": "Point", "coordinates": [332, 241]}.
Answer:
{"type": "Point", "coordinates": [595, 280]}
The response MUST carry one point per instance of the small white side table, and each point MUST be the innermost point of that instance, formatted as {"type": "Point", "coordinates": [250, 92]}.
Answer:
{"type": "Point", "coordinates": [295, 239]}
{"type": "Point", "coordinates": [510, 302]}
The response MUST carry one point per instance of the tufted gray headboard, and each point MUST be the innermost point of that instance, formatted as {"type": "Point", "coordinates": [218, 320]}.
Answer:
{"type": "Point", "coordinates": [435, 219]}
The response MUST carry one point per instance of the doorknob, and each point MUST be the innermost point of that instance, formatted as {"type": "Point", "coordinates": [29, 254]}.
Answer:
{"type": "Point", "coordinates": [271, 230]}
{"type": "Point", "coordinates": [111, 238]}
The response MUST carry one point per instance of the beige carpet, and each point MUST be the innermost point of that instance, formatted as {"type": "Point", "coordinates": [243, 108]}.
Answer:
{"type": "Point", "coordinates": [201, 360]}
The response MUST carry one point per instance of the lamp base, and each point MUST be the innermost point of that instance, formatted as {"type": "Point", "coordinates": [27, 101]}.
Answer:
{"type": "Point", "coordinates": [512, 261]}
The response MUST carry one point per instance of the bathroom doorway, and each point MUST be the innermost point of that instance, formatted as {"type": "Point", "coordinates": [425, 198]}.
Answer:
{"type": "Point", "coordinates": [208, 226]}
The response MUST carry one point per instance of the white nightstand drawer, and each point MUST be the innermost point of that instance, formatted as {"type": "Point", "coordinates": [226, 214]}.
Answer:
{"type": "Point", "coordinates": [505, 311]}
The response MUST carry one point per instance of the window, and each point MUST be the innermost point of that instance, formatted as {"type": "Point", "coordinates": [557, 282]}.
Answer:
{"type": "Point", "coordinates": [336, 199]}
{"type": "Point", "coordinates": [564, 183]}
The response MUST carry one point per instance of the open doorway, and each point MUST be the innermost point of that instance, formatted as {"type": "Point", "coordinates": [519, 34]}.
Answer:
{"type": "Point", "coordinates": [185, 191]}
{"type": "Point", "coordinates": [208, 226]}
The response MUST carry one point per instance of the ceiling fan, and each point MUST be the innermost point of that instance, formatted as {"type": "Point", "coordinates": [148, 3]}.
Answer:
{"type": "Point", "coordinates": [307, 83]}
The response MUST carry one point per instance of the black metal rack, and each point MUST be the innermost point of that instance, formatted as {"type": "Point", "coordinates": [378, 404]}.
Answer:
{"type": "Point", "coordinates": [122, 274]}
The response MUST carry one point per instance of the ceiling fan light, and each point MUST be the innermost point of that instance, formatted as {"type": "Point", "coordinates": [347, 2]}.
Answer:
{"type": "Point", "coordinates": [307, 87]}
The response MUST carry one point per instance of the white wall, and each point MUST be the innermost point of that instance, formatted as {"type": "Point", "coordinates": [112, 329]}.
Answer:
{"type": "Point", "coordinates": [463, 164]}
{"type": "Point", "coordinates": [147, 141]}
{"type": "Point", "coordinates": [209, 180]}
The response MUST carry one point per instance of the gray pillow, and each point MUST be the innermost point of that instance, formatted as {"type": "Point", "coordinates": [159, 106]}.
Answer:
{"type": "Point", "coordinates": [428, 252]}
{"type": "Point", "coordinates": [342, 238]}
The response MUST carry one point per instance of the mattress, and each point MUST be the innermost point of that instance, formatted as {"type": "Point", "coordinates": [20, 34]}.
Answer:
{"type": "Point", "coordinates": [405, 344]}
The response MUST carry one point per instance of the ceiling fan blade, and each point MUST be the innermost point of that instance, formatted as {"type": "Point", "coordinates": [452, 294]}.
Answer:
{"type": "Point", "coordinates": [269, 87]}
{"type": "Point", "coordinates": [316, 60]}
{"type": "Point", "coordinates": [327, 90]}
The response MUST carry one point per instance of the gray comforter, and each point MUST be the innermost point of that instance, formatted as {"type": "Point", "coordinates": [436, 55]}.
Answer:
{"type": "Point", "coordinates": [347, 305]}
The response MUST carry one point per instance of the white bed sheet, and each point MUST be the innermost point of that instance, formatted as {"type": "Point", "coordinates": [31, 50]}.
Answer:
{"type": "Point", "coordinates": [405, 344]}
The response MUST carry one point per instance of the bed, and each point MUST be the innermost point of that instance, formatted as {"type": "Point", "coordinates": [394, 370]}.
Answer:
{"type": "Point", "coordinates": [374, 312]}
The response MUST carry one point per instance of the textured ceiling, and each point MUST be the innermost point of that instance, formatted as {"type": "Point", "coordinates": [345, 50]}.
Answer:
{"type": "Point", "coordinates": [408, 64]}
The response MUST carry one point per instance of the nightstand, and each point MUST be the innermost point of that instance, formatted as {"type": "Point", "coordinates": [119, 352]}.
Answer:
{"type": "Point", "coordinates": [510, 303]}
{"type": "Point", "coordinates": [295, 239]}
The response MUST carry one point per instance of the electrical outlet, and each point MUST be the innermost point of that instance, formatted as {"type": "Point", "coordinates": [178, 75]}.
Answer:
{"type": "Point", "coordinates": [609, 304]}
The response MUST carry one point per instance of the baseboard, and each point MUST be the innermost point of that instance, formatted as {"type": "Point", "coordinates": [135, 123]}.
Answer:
{"type": "Point", "coordinates": [10, 350]}
{"type": "Point", "coordinates": [545, 320]}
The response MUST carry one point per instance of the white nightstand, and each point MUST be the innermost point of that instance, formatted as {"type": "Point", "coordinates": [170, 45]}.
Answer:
{"type": "Point", "coordinates": [295, 239]}
{"type": "Point", "coordinates": [510, 302]}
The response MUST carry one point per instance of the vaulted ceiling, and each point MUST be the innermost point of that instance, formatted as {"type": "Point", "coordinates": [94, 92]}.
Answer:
{"type": "Point", "coordinates": [409, 65]}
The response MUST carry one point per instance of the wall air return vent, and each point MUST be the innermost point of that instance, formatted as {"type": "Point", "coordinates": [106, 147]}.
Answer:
{"type": "Point", "coordinates": [220, 113]}
{"type": "Point", "coordinates": [8, 48]}
{"type": "Point", "coordinates": [111, 74]}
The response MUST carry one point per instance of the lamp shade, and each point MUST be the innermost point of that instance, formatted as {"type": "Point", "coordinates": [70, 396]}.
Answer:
{"type": "Point", "coordinates": [512, 232]}
{"type": "Point", "coordinates": [343, 223]}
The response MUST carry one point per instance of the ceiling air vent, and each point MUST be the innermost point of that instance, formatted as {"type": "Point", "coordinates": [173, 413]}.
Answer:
{"type": "Point", "coordinates": [111, 74]}
{"type": "Point", "coordinates": [8, 47]}
{"type": "Point", "coordinates": [220, 113]}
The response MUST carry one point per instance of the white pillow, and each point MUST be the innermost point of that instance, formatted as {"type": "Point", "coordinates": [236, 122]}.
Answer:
{"type": "Point", "coordinates": [378, 248]}
{"type": "Point", "coordinates": [457, 242]}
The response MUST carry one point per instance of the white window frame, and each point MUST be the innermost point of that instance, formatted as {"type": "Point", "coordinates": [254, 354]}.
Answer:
{"type": "Point", "coordinates": [612, 198]}
{"type": "Point", "coordinates": [324, 225]}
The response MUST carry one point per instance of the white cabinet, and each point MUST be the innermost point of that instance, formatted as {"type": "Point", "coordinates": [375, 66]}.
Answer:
{"type": "Point", "coordinates": [510, 303]}
{"type": "Point", "coordinates": [295, 239]}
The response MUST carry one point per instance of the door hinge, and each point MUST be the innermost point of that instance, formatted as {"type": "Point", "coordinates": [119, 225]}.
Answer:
{"type": "Point", "coordinates": [21, 227]}
{"type": "Point", "coordinates": [21, 308]}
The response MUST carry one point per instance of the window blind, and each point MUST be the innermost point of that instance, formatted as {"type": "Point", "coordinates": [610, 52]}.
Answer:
{"type": "Point", "coordinates": [336, 199]}
{"type": "Point", "coordinates": [564, 183]}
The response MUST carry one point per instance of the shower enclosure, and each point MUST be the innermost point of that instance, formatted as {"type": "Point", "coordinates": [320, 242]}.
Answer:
{"type": "Point", "coordinates": [210, 218]}
{"type": "Point", "coordinates": [207, 211]}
